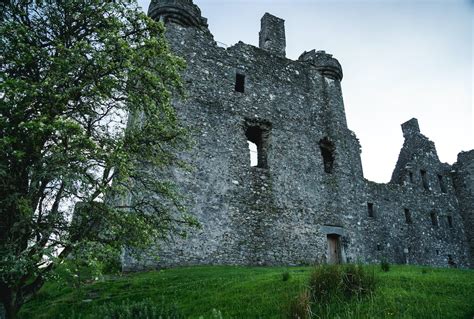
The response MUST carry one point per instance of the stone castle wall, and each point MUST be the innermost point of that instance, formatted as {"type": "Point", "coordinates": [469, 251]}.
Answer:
{"type": "Point", "coordinates": [463, 177]}
{"type": "Point", "coordinates": [308, 187]}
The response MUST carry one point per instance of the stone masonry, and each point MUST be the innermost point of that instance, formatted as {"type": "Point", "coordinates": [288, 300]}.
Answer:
{"type": "Point", "coordinates": [306, 200]}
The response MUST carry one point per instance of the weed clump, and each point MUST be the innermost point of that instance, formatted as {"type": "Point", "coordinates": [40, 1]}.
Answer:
{"type": "Point", "coordinates": [385, 265]}
{"type": "Point", "coordinates": [329, 282]}
{"type": "Point", "coordinates": [138, 309]}
{"type": "Point", "coordinates": [285, 276]}
{"type": "Point", "coordinates": [300, 307]}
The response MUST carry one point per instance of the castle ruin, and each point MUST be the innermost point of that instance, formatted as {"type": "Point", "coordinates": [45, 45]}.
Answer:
{"type": "Point", "coordinates": [305, 200]}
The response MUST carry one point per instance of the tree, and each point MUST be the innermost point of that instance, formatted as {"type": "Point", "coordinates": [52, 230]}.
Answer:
{"type": "Point", "coordinates": [72, 72]}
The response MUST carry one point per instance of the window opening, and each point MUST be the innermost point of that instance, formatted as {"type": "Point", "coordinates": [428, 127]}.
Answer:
{"type": "Point", "coordinates": [327, 152]}
{"type": "Point", "coordinates": [408, 219]}
{"type": "Point", "coordinates": [370, 208]}
{"type": "Point", "coordinates": [442, 185]}
{"type": "Point", "coordinates": [258, 141]}
{"type": "Point", "coordinates": [450, 221]}
{"type": "Point", "coordinates": [240, 83]}
{"type": "Point", "coordinates": [424, 180]}
{"type": "Point", "coordinates": [434, 219]}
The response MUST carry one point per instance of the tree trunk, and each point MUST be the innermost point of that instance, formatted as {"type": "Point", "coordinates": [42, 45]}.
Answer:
{"type": "Point", "coordinates": [11, 312]}
{"type": "Point", "coordinates": [2, 311]}
{"type": "Point", "coordinates": [10, 306]}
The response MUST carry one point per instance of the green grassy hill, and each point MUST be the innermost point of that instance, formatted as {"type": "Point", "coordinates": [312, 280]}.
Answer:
{"type": "Point", "coordinates": [251, 292]}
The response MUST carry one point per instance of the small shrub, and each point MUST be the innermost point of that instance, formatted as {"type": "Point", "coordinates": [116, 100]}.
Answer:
{"type": "Point", "coordinates": [424, 271]}
{"type": "Point", "coordinates": [385, 265]}
{"type": "Point", "coordinates": [300, 307]}
{"type": "Point", "coordinates": [145, 309]}
{"type": "Point", "coordinates": [324, 282]}
{"type": "Point", "coordinates": [357, 281]}
{"type": "Point", "coordinates": [285, 276]}
{"type": "Point", "coordinates": [328, 282]}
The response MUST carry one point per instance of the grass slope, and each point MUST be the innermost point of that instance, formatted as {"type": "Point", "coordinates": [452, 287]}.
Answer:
{"type": "Point", "coordinates": [251, 292]}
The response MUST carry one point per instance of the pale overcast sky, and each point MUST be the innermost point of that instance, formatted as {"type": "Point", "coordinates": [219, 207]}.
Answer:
{"type": "Point", "coordinates": [401, 59]}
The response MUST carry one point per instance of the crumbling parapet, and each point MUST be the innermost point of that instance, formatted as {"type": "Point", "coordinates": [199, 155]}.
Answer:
{"type": "Point", "coordinates": [418, 159]}
{"type": "Point", "coordinates": [410, 127]}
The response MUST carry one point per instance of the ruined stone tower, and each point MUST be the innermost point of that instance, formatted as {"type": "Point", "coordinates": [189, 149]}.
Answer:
{"type": "Point", "coordinates": [306, 199]}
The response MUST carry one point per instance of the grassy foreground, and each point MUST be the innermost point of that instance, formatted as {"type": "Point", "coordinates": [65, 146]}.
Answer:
{"type": "Point", "coordinates": [251, 292]}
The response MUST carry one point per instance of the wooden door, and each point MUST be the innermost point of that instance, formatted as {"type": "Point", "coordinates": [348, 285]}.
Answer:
{"type": "Point", "coordinates": [334, 249]}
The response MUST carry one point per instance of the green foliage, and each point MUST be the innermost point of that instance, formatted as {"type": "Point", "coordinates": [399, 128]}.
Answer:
{"type": "Point", "coordinates": [259, 292]}
{"type": "Point", "coordinates": [85, 113]}
{"type": "Point", "coordinates": [76, 271]}
{"type": "Point", "coordinates": [330, 282]}
{"type": "Point", "coordinates": [285, 276]}
{"type": "Point", "coordinates": [385, 265]}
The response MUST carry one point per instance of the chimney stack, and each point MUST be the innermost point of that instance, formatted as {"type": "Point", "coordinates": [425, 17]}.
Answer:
{"type": "Point", "coordinates": [272, 35]}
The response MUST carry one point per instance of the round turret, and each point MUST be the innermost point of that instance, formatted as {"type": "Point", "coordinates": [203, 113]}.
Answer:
{"type": "Point", "coordinates": [182, 12]}
{"type": "Point", "coordinates": [324, 62]}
